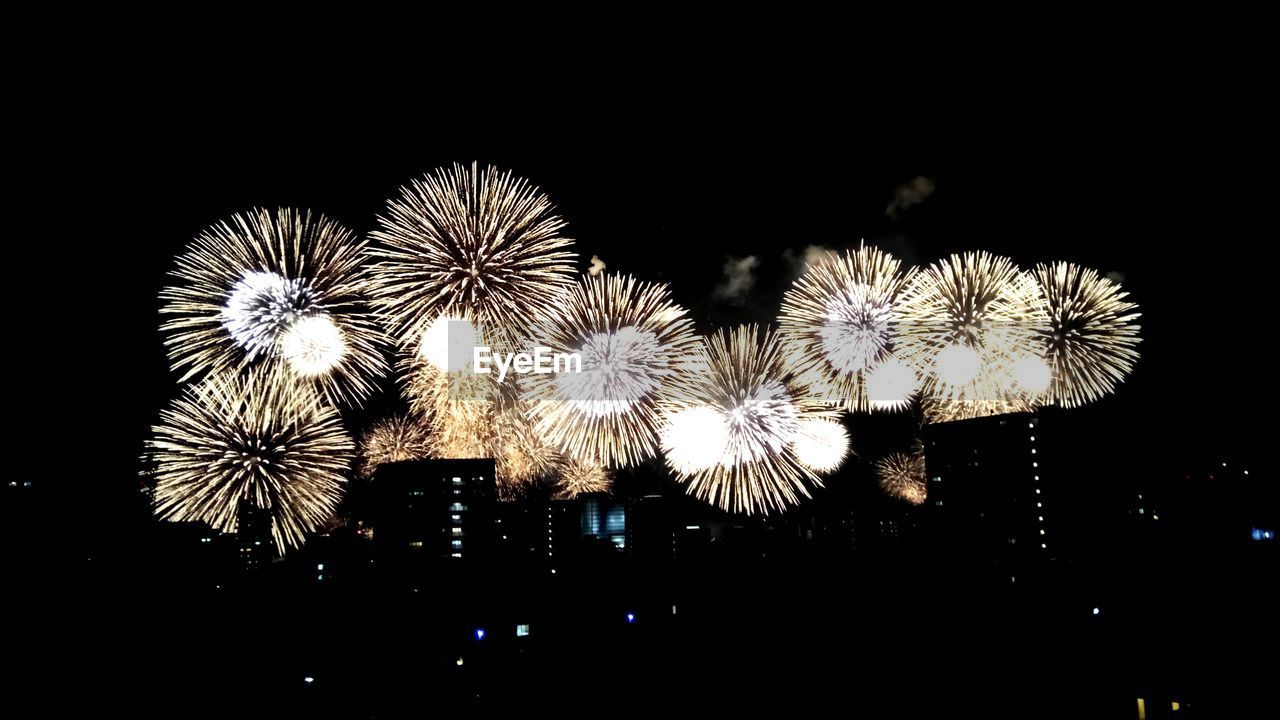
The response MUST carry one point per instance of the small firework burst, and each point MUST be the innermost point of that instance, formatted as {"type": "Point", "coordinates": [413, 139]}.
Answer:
{"type": "Point", "coordinates": [480, 244]}
{"type": "Point", "coordinates": [581, 478]}
{"type": "Point", "coordinates": [402, 437]}
{"type": "Point", "coordinates": [257, 437]}
{"type": "Point", "coordinates": [281, 287]}
{"type": "Point", "coordinates": [965, 323]}
{"type": "Point", "coordinates": [1092, 334]}
{"type": "Point", "coordinates": [902, 475]}
{"type": "Point", "coordinates": [821, 445]}
{"type": "Point", "coordinates": [762, 410]}
{"type": "Point", "coordinates": [634, 343]}
{"type": "Point", "coordinates": [836, 325]}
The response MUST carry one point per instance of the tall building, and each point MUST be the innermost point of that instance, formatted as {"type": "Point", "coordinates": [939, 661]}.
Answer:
{"type": "Point", "coordinates": [253, 532]}
{"type": "Point", "coordinates": [428, 511]}
{"type": "Point", "coordinates": [989, 493]}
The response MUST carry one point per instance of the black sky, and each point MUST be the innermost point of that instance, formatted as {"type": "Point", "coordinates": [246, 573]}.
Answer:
{"type": "Point", "coordinates": [1163, 188]}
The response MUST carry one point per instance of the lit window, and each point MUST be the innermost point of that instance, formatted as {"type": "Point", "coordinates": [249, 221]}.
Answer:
{"type": "Point", "coordinates": [1041, 518]}
{"type": "Point", "coordinates": [457, 507]}
{"type": "Point", "coordinates": [1041, 531]}
{"type": "Point", "coordinates": [320, 567]}
{"type": "Point", "coordinates": [1037, 477]}
{"type": "Point", "coordinates": [1033, 451]}
{"type": "Point", "coordinates": [457, 555]}
{"type": "Point", "coordinates": [522, 630]}
{"type": "Point", "coordinates": [1039, 505]}
{"type": "Point", "coordinates": [456, 518]}
{"type": "Point", "coordinates": [457, 531]}
{"type": "Point", "coordinates": [457, 543]}
{"type": "Point", "coordinates": [457, 481]}
{"type": "Point", "coordinates": [415, 544]}
{"type": "Point", "coordinates": [479, 633]}
{"type": "Point", "coordinates": [1035, 464]}
{"type": "Point", "coordinates": [1037, 491]}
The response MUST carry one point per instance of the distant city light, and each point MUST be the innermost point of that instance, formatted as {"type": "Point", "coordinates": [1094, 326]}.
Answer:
{"type": "Point", "coordinates": [1097, 611]}
{"type": "Point", "coordinates": [631, 617]}
{"type": "Point", "coordinates": [308, 679]}
{"type": "Point", "coordinates": [458, 662]}
{"type": "Point", "coordinates": [319, 567]}
{"type": "Point", "coordinates": [479, 633]}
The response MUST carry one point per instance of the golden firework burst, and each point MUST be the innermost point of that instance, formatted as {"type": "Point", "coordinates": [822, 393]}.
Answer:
{"type": "Point", "coordinates": [967, 324]}
{"type": "Point", "coordinates": [472, 243]}
{"type": "Point", "coordinates": [1092, 334]}
{"type": "Point", "coordinates": [836, 326]}
{"type": "Point", "coordinates": [576, 478]}
{"type": "Point", "coordinates": [902, 475]}
{"type": "Point", "coordinates": [398, 438]}
{"type": "Point", "coordinates": [634, 344]}
{"type": "Point", "coordinates": [283, 288]}
{"type": "Point", "coordinates": [745, 411]}
{"type": "Point", "coordinates": [256, 437]}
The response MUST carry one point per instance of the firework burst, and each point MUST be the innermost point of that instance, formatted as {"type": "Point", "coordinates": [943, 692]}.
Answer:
{"type": "Point", "coordinates": [836, 325]}
{"type": "Point", "coordinates": [1092, 333]}
{"type": "Point", "coordinates": [581, 478]}
{"type": "Point", "coordinates": [479, 244]}
{"type": "Point", "coordinates": [403, 437]}
{"type": "Point", "coordinates": [634, 345]}
{"type": "Point", "coordinates": [255, 437]}
{"type": "Point", "coordinates": [821, 445]}
{"type": "Point", "coordinates": [762, 411]}
{"type": "Point", "coordinates": [902, 475]}
{"type": "Point", "coordinates": [966, 323]}
{"type": "Point", "coordinates": [283, 288]}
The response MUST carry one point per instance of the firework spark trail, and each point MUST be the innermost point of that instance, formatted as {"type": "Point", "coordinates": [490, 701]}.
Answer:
{"type": "Point", "coordinates": [479, 244]}
{"type": "Point", "coordinates": [747, 382]}
{"type": "Point", "coordinates": [634, 344]}
{"type": "Point", "coordinates": [965, 323]}
{"type": "Point", "coordinates": [257, 436]}
{"type": "Point", "coordinates": [902, 475]}
{"type": "Point", "coordinates": [836, 324]}
{"type": "Point", "coordinates": [275, 287]}
{"type": "Point", "coordinates": [1092, 333]}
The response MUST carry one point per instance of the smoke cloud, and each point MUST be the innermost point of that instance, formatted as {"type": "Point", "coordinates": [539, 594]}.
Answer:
{"type": "Point", "coordinates": [908, 194]}
{"type": "Point", "coordinates": [739, 279]}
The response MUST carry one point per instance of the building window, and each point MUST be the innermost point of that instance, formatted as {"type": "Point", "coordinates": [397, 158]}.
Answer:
{"type": "Point", "coordinates": [522, 630]}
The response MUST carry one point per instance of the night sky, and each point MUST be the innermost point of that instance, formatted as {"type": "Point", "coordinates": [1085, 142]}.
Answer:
{"type": "Point", "coordinates": [1143, 150]}
{"type": "Point", "coordinates": [1162, 194]}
